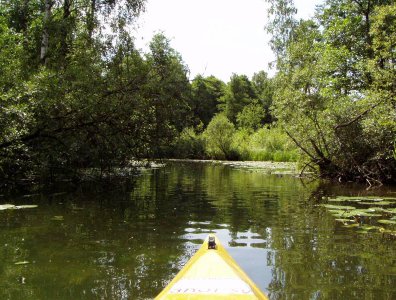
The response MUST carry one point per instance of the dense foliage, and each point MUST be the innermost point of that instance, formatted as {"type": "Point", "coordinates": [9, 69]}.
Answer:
{"type": "Point", "coordinates": [77, 96]}
{"type": "Point", "coordinates": [75, 93]}
{"type": "Point", "coordinates": [335, 88]}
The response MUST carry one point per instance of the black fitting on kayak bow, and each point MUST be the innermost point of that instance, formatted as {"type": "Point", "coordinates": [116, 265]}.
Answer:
{"type": "Point", "coordinates": [212, 242]}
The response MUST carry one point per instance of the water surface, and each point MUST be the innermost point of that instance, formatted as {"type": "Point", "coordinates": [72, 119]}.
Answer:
{"type": "Point", "coordinates": [129, 243]}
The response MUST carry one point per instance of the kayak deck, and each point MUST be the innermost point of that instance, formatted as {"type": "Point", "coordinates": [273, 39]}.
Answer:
{"type": "Point", "coordinates": [211, 274]}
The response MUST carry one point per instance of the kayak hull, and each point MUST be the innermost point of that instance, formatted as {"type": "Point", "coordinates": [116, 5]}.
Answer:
{"type": "Point", "coordinates": [211, 274]}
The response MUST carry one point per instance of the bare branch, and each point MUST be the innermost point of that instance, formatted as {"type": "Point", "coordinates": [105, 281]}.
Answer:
{"type": "Point", "coordinates": [300, 146]}
{"type": "Point", "coordinates": [358, 117]}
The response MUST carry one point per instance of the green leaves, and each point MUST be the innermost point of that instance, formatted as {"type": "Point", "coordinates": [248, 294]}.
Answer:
{"type": "Point", "coordinates": [206, 92]}
{"type": "Point", "coordinates": [218, 136]}
{"type": "Point", "coordinates": [93, 101]}
{"type": "Point", "coordinates": [282, 22]}
{"type": "Point", "coordinates": [239, 92]}
{"type": "Point", "coordinates": [251, 116]}
{"type": "Point", "coordinates": [334, 90]}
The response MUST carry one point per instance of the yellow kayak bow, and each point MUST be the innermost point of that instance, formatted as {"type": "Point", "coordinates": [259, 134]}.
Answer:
{"type": "Point", "coordinates": [211, 274]}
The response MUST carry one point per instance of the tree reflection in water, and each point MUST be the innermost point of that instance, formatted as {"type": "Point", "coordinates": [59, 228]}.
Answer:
{"type": "Point", "coordinates": [129, 243]}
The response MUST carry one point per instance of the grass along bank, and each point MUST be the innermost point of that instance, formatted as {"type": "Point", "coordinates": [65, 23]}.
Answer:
{"type": "Point", "coordinates": [222, 141]}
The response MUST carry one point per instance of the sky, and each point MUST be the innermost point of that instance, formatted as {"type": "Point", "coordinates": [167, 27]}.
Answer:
{"type": "Point", "coordinates": [214, 37]}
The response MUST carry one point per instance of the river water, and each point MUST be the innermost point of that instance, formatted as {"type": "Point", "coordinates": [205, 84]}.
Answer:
{"type": "Point", "coordinates": [121, 243]}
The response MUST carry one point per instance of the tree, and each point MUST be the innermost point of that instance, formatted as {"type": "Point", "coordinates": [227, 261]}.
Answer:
{"type": "Point", "coordinates": [189, 144]}
{"type": "Point", "coordinates": [13, 114]}
{"type": "Point", "coordinates": [281, 25]}
{"type": "Point", "coordinates": [328, 96]}
{"type": "Point", "coordinates": [264, 89]}
{"type": "Point", "coordinates": [219, 136]}
{"type": "Point", "coordinates": [238, 93]}
{"type": "Point", "coordinates": [168, 92]}
{"type": "Point", "coordinates": [89, 99]}
{"type": "Point", "coordinates": [206, 94]}
{"type": "Point", "coordinates": [251, 116]}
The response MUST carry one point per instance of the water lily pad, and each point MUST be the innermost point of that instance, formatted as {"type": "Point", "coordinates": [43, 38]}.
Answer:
{"type": "Point", "coordinates": [12, 206]}
{"type": "Point", "coordinates": [371, 199]}
{"type": "Point", "coordinates": [376, 209]}
{"type": "Point", "coordinates": [386, 233]}
{"type": "Point", "coordinates": [376, 203]}
{"type": "Point", "coordinates": [361, 198]}
{"type": "Point", "coordinates": [25, 262]}
{"type": "Point", "coordinates": [389, 198]}
{"type": "Point", "coordinates": [26, 206]}
{"type": "Point", "coordinates": [30, 195]}
{"type": "Point", "coordinates": [354, 213]}
{"type": "Point", "coordinates": [6, 206]}
{"type": "Point", "coordinates": [345, 199]}
{"type": "Point", "coordinates": [362, 213]}
{"type": "Point", "coordinates": [57, 218]}
{"type": "Point", "coordinates": [337, 212]}
{"type": "Point", "coordinates": [357, 213]}
{"type": "Point", "coordinates": [351, 225]}
{"type": "Point", "coordinates": [370, 227]}
{"type": "Point", "coordinates": [340, 207]}
{"type": "Point", "coordinates": [364, 229]}
{"type": "Point", "coordinates": [345, 220]}
{"type": "Point", "coordinates": [342, 214]}
{"type": "Point", "coordinates": [389, 222]}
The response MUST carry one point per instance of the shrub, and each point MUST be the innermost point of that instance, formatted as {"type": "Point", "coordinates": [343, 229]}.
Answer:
{"type": "Point", "coordinates": [268, 144]}
{"type": "Point", "coordinates": [219, 137]}
{"type": "Point", "coordinates": [189, 144]}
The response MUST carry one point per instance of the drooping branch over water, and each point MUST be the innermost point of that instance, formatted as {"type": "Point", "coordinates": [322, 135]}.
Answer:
{"type": "Point", "coordinates": [335, 92]}
{"type": "Point", "coordinates": [76, 94]}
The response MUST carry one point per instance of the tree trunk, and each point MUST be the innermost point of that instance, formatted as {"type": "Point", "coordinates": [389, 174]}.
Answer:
{"type": "Point", "coordinates": [65, 28]}
{"type": "Point", "coordinates": [91, 19]}
{"type": "Point", "coordinates": [45, 36]}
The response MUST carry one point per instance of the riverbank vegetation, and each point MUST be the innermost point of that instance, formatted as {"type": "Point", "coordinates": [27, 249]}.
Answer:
{"type": "Point", "coordinates": [76, 94]}
{"type": "Point", "coordinates": [335, 87]}
{"type": "Point", "coordinates": [221, 140]}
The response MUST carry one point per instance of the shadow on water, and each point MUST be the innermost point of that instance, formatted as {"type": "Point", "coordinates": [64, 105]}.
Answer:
{"type": "Point", "coordinates": [128, 243]}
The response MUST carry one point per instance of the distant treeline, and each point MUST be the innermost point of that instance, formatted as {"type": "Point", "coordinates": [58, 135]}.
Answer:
{"type": "Point", "coordinates": [76, 94]}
